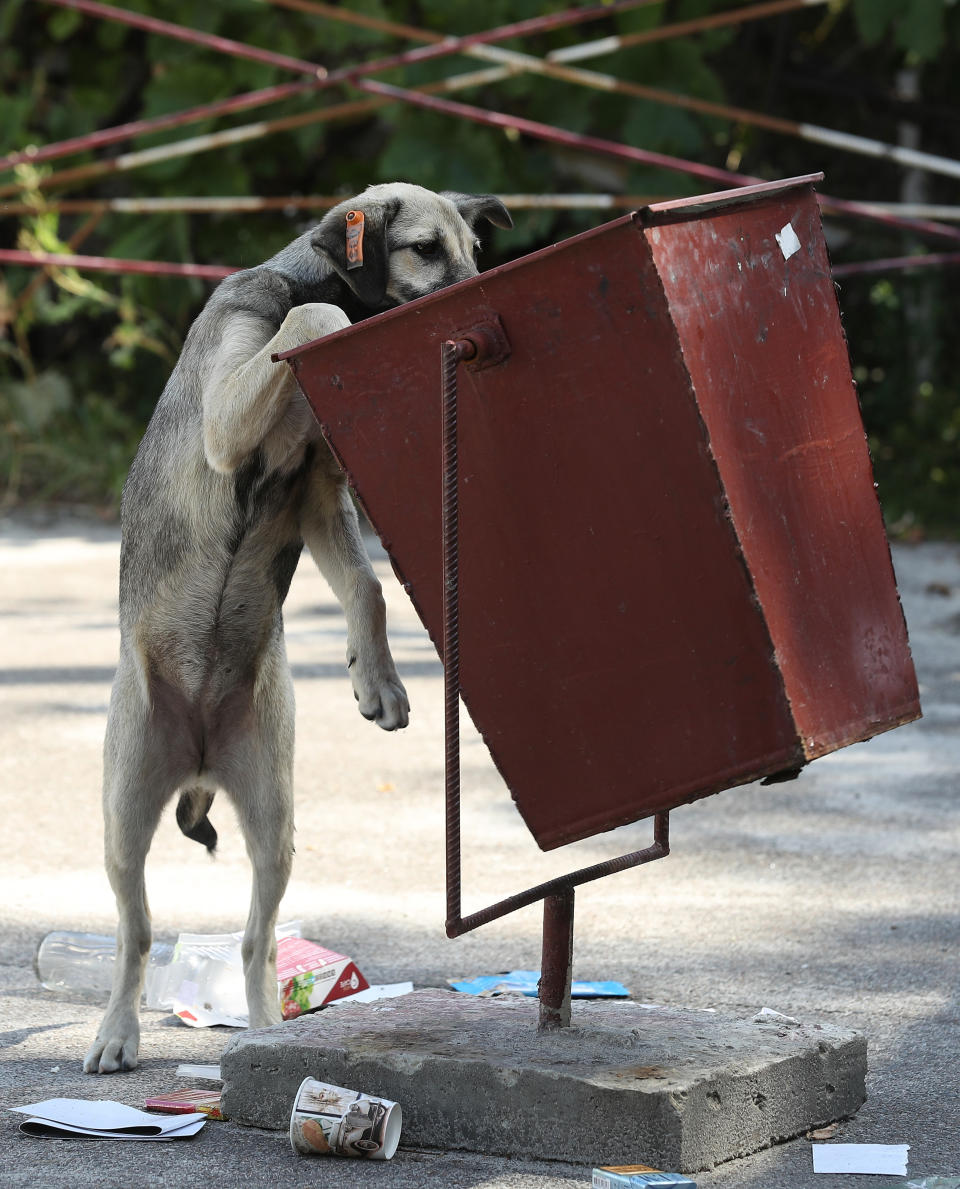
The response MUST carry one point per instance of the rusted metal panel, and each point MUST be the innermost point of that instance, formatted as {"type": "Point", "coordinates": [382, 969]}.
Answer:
{"type": "Point", "coordinates": [629, 635]}
{"type": "Point", "coordinates": [767, 356]}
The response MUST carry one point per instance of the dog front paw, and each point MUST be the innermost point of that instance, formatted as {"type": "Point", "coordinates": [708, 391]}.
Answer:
{"type": "Point", "coordinates": [116, 1046]}
{"type": "Point", "coordinates": [381, 697]}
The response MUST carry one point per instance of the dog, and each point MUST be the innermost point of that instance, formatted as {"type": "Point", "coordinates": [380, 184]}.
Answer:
{"type": "Point", "coordinates": [232, 478]}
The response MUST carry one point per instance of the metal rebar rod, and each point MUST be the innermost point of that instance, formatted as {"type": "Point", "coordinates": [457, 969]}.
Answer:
{"type": "Point", "coordinates": [659, 850]}
{"type": "Point", "coordinates": [451, 353]}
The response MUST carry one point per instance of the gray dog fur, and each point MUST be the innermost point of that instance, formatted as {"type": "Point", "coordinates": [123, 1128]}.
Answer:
{"type": "Point", "coordinates": [231, 479]}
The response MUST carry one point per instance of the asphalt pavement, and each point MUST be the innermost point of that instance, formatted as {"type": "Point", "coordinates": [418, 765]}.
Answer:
{"type": "Point", "coordinates": [833, 898]}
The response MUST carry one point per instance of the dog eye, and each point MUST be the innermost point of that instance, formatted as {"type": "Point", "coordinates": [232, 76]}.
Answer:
{"type": "Point", "coordinates": [427, 250]}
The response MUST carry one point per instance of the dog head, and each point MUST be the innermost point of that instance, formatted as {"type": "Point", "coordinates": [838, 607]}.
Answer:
{"type": "Point", "coordinates": [396, 242]}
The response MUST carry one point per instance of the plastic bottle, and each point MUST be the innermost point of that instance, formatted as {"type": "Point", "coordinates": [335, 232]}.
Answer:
{"type": "Point", "coordinates": [203, 969]}
{"type": "Point", "coordinates": [82, 963]}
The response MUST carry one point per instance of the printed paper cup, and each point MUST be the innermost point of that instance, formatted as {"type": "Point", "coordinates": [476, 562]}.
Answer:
{"type": "Point", "coordinates": [332, 1121]}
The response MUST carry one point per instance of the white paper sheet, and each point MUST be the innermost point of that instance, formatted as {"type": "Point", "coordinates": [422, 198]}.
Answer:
{"type": "Point", "coordinates": [209, 1073]}
{"type": "Point", "coordinates": [890, 1159]}
{"type": "Point", "coordinates": [373, 993]}
{"type": "Point", "coordinates": [786, 237]}
{"type": "Point", "coordinates": [106, 1119]}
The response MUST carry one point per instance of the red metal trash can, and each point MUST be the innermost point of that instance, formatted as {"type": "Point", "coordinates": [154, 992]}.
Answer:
{"type": "Point", "coordinates": [674, 572]}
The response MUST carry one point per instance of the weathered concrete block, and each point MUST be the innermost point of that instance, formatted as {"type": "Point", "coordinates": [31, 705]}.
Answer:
{"type": "Point", "coordinates": [628, 1082]}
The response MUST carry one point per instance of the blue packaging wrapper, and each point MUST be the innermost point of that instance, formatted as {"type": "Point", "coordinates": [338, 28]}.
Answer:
{"type": "Point", "coordinates": [637, 1176]}
{"type": "Point", "coordinates": [525, 981]}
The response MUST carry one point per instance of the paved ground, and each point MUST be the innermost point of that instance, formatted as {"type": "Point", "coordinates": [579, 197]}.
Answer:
{"type": "Point", "coordinates": [834, 898]}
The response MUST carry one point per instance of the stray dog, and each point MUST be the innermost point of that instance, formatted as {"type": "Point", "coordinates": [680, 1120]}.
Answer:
{"type": "Point", "coordinates": [231, 479]}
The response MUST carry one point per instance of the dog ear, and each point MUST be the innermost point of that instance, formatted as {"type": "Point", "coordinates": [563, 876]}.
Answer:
{"type": "Point", "coordinates": [473, 207]}
{"type": "Point", "coordinates": [366, 272]}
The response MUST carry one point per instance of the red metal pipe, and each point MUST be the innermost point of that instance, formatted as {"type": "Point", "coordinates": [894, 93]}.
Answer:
{"type": "Point", "coordinates": [208, 272]}
{"type": "Point", "coordinates": [612, 148]}
{"type": "Point", "coordinates": [442, 46]}
{"type": "Point", "coordinates": [210, 41]}
{"type": "Point", "coordinates": [454, 45]}
{"type": "Point", "coordinates": [548, 132]}
{"type": "Point", "coordinates": [109, 136]}
{"type": "Point", "coordinates": [556, 961]}
{"type": "Point", "coordinates": [933, 260]}
{"type": "Point", "coordinates": [736, 16]}
{"type": "Point", "coordinates": [860, 210]}
{"type": "Point", "coordinates": [533, 128]}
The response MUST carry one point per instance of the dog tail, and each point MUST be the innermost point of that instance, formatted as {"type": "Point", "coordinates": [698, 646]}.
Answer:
{"type": "Point", "coordinates": [192, 810]}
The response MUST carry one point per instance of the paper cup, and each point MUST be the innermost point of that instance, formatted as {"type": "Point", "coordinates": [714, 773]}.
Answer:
{"type": "Point", "coordinates": [332, 1121]}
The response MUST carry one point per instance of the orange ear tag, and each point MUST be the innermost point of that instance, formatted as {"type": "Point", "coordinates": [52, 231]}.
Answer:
{"type": "Point", "coordinates": [354, 239]}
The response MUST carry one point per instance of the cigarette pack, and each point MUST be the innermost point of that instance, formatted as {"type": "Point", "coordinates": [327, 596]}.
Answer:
{"type": "Point", "coordinates": [638, 1175]}
{"type": "Point", "coordinates": [310, 976]}
{"type": "Point", "coordinates": [186, 1102]}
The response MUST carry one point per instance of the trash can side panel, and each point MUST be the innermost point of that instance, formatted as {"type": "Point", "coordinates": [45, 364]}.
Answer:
{"type": "Point", "coordinates": [613, 654]}
{"type": "Point", "coordinates": [604, 601]}
{"type": "Point", "coordinates": [762, 339]}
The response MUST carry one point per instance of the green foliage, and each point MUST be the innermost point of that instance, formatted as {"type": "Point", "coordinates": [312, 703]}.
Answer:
{"type": "Point", "coordinates": [83, 357]}
{"type": "Point", "coordinates": [54, 446]}
{"type": "Point", "coordinates": [917, 27]}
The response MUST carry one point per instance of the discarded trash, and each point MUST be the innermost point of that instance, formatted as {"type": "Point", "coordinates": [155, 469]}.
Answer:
{"type": "Point", "coordinates": [200, 979]}
{"type": "Point", "coordinates": [203, 983]}
{"type": "Point", "coordinates": [766, 1015]}
{"type": "Point", "coordinates": [187, 1102]}
{"type": "Point", "coordinates": [824, 1132]}
{"type": "Point", "coordinates": [930, 1183]}
{"type": "Point", "coordinates": [333, 1121]}
{"type": "Point", "coordinates": [209, 1072]}
{"type": "Point", "coordinates": [104, 1120]}
{"type": "Point", "coordinates": [311, 976]}
{"type": "Point", "coordinates": [638, 1175]}
{"type": "Point", "coordinates": [82, 963]}
{"type": "Point", "coordinates": [524, 982]}
{"type": "Point", "coordinates": [861, 1158]}
{"type": "Point", "coordinates": [373, 993]}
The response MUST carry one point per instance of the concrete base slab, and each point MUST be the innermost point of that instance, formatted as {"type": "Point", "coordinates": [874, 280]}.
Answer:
{"type": "Point", "coordinates": [627, 1082]}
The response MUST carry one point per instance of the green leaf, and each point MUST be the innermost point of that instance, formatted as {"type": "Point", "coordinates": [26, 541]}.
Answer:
{"type": "Point", "coordinates": [63, 23]}
{"type": "Point", "coordinates": [920, 30]}
{"type": "Point", "coordinates": [874, 17]}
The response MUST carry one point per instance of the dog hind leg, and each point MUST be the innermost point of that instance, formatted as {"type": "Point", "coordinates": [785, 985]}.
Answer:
{"type": "Point", "coordinates": [137, 783]}
{"type": "Point", "coordinates": [255, 768]}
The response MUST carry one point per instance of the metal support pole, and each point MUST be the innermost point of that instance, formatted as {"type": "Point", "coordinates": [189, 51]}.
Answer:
{"type": "Point", "coordinates": [482, 346]}
{"type": "Point", "coordinates": [556, 961]}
